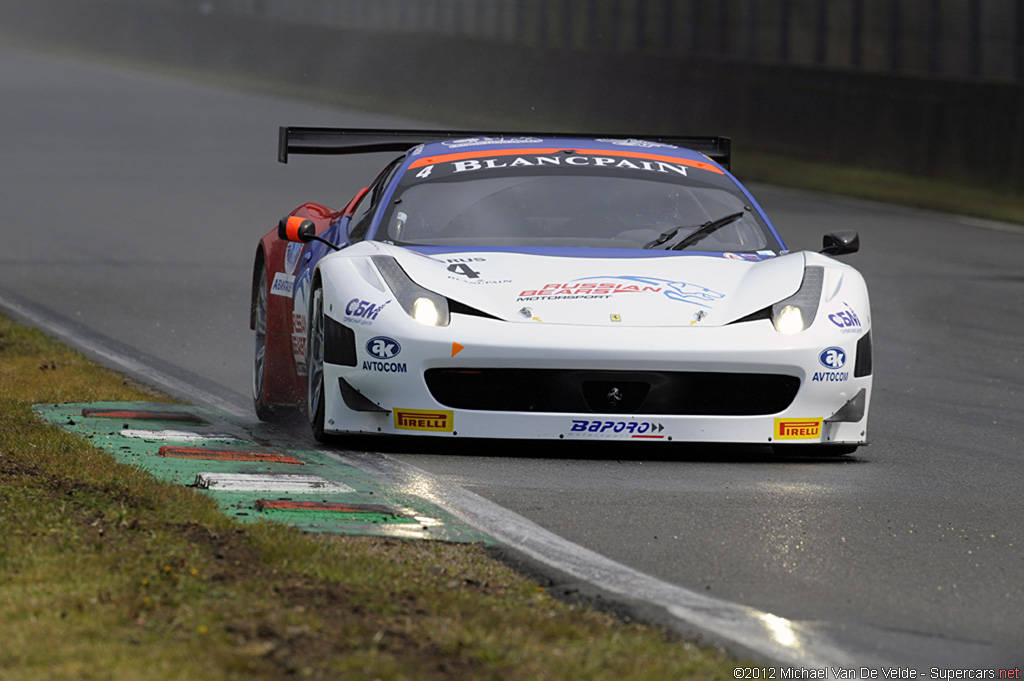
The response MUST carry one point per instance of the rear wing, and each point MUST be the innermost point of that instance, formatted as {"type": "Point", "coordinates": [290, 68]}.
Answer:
{"type": "Point", "coordinates": [368, 140]}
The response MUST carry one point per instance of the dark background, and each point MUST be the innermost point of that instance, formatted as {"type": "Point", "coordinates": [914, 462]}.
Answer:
{"type": "Point", "coordinates": [929, 87]}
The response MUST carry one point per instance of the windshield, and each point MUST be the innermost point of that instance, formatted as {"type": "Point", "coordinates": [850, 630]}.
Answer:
{"type": "Point", "coordinates": [536, 204]}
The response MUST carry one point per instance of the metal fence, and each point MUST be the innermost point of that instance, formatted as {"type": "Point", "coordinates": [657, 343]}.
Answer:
{"type": "Point", "coordinates": [974, 39]}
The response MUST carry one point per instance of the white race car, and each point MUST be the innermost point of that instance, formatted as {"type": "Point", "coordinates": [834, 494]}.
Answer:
{"type": "Point", "coordinates": [557, 287]}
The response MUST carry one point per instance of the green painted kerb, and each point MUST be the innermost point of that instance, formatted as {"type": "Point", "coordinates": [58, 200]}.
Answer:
{"type": "Point", "coordinates": [254, 481]}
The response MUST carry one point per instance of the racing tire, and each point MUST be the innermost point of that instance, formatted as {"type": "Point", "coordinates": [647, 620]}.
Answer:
{"type": "Point", "coordinates": [315, 364]}
{"type": "Point", "coordinates": [264, 411]}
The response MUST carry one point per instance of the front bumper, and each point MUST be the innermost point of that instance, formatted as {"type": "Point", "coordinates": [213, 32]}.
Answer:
{"type": "Point", "coordinates": [398, 401]}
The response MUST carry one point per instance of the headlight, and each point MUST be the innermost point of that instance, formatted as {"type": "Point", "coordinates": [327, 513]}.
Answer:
{"type": "Point", "coordinates": [424, 306]}
{"type": "Point", "coordinates": [425, 311]}
{"type": "Point", "coordinates": [796, 313]}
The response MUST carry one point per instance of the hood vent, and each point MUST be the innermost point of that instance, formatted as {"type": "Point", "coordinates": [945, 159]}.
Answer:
{"type": "Point", "coordinates": [455, 307]}
{"type": "Point", "coordinates": [764, 313]}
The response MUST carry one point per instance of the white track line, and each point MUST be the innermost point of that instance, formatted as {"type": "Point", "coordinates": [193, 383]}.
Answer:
{"type": "Point", "coordinates": [265, 482]}
{"type": "Point", "coordinates": [760, 633]}
{"type": "Point", "coordinates": [116, 360]}
{"type": "Point", "coordinates": [177, 435]}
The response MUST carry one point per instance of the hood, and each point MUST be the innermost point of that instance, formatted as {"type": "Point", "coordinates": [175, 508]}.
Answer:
{"type": "Point", "coordinates": [684, 290]}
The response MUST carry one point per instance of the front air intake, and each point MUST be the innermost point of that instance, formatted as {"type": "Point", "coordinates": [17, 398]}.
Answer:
{"type": "Point", "coordinates": [682, 393]}
{"type": "Point", "coordinates": [863, 366]}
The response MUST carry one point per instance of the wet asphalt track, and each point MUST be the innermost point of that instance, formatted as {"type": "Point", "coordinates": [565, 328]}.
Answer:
{"type": "Point", "coordinates": [131, 206]}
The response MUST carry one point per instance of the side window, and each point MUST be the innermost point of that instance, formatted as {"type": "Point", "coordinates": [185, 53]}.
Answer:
{"type": "Point", "coordinates": [367, 206]}
{"type": "Point", "coordinates": [360, 219]}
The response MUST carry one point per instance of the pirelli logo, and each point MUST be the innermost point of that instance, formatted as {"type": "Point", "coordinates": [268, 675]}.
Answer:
{"type": "Point", "coordinates": [434, 420]}
{"type": "Point", "coordinates": [797, 429]}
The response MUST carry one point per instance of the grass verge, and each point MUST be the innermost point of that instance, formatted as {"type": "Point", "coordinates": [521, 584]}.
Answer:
{"type": "Point", "coordinates": [112, 574]}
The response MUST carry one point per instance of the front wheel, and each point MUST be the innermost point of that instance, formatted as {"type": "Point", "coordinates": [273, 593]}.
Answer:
{"type": "Point", "coordinates": [264, 411]}
{"type": "Point", "coordinates": [315, 364]}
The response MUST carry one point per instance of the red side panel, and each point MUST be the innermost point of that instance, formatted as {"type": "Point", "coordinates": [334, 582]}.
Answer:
{"type": "Point", "coordinates": [282, 383]}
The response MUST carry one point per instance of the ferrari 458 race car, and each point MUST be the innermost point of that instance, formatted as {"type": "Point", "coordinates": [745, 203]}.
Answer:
{"type": "Point", "coordinates": [556, 287]}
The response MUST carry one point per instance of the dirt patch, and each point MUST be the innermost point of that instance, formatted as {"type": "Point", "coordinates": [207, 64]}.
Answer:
{"type": "Point", "coordinates": [12, 468]}
{"type": "Point", "coordinates": [346, 625]}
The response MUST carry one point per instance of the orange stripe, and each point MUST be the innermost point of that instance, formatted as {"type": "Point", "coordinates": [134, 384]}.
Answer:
{"type": "Point", "coordinates": [141, 414]}
{"type": "Point", "coordinates": [432, 160]}
{"type": "Point", "coordinates": [289, 505]}
{"type": "Point", "coordinates": [226, 455]}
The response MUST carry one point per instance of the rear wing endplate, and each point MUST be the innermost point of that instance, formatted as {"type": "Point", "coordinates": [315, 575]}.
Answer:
{"type": "Point", "coordinates": [368, 140]}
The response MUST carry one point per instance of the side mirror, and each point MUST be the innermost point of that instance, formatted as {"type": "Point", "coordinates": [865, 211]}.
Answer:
{"type": "Point", "coordinates": [842, 242]}
{"type": "Point", "coordinates": [300, 230]}
{"type": "Point", "coordinates": [296, 229]}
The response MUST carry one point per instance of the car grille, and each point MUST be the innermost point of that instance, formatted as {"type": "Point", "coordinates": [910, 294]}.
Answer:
{"type": "Point", "coordinates": [681, 393]}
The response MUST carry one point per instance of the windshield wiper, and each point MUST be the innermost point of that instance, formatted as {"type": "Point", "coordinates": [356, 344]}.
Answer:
{"type": "Point", "coordinates": [700, 232]}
